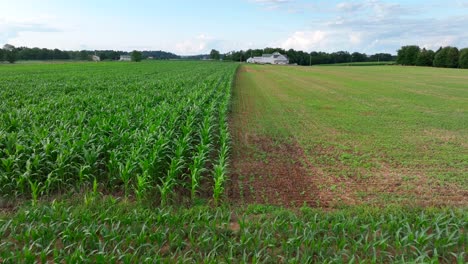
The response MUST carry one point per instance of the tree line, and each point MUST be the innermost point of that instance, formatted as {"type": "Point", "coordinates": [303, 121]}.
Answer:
{"type": "Point", "coordinates": [11, 54]}
{"type": "Point", "coordinates": [444, 57]}
{"type": "Point", "coordinates": [312, 58]}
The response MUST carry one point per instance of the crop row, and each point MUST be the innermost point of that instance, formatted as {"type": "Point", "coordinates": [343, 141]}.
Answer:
{"type": "Point", "coordinates": [136, 128]}
{"type": "Point", "coordinates": [110, 232]}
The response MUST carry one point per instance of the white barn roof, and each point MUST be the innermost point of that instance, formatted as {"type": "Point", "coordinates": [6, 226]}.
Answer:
{"type": "Point", "coordinates": [275, 58]}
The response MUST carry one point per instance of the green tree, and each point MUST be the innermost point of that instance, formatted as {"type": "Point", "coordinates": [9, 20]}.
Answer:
{"type": "Point", "coordinates": [11, 56]}
{"type": "Point", "coordinates": [425, 58]}
{"type": "Point", "coordinates": [358, 57]}
{"type": "Point", "coordinates": [407, 55]}
{"type": "Point", "coordinates": [136, 56]}
{"type": "Point", "coordinates": [214, 55]}
{"type": "Point", "coordinates": [2, 55]}
{"type": "Point", "coordinates": [8, 47]}
{"type": "Point", "coordinates": [447, 58]}
{"type": "Point", "coordinates": [83, 55]}
{"type": "Point", "coordinates": [463, 60]}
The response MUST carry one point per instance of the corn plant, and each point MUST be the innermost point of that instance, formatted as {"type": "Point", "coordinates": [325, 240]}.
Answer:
{"type": "Point", "coordinates": [153, 126]}
{"type": "Point", "coordinates": [142, 185]}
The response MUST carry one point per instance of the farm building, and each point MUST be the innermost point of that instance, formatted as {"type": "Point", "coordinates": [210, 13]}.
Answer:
{"type": "Point", "coordinates": [125, 58]}
{"type": "Point", "coordinates": [275, 58]}
{"type": "Point", "coordinates": [95, 58]}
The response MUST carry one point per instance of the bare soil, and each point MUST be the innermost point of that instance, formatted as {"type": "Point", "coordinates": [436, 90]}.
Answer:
{"type": "Point", "coordinates": [272, 171]}
{"type": "Point", "coordinates": [278, 177]}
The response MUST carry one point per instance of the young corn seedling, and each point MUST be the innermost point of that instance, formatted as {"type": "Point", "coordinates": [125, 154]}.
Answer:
{"type": "Point", "coordinates": [220, 169]}
{"type": "Point", "coordinates": [35, 191]}
{"type": "Point", "coordinates": [175, 167]}
{"type": "Point", "coordinates": [201, 156]}
{"type": "Point", "coordinates": [196, 170]}
{"type": "Point", "coordinates": [126, 175]}
{"type": "Point", "coordinates": [142, 185]}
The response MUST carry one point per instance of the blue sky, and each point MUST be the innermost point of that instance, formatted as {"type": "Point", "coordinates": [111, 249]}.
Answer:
{"type": "Point", "coordinates": [193, 27]}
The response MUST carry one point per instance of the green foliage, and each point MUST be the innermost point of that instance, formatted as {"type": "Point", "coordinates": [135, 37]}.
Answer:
{"type": "Point", "coordinates": [425, 58]}
{"type": "Point", "coordinates": [134, 128]}
{"type": "Point", "coordinates": [136, 56]}
{"type": "Point", "coordinates": [214, 55]}
{"type": "Point", "coordinates": [2, 55]}
{"type": "Point", "coordinates": [358, 57]}
{"type": "Point", "coordinates": [106, 230]}
{"type": "Point", "coordinates": [11, 56]}
{"type": "Point", "coordinates": [407, 55]}
{"type": "Point", "coordinates": [312, 58]}
{"type": "Point", "coordinates": [447, 58]}
{"type": "Point", "coordinates": [463, 61]}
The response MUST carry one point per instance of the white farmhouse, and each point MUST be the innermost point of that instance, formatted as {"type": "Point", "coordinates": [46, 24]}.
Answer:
{"type": "Point", "coordinates": [125, 58]}
{"type": "Point", "coordinates": [275, 58]}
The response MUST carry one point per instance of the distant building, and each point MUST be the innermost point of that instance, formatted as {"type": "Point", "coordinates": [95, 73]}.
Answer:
{"type": "Point", "coordinates": [275, 58]}
{"type": "Point", "coordinates": [150, 58]}
{"type": "Point", "coordinates": [125, 58]}
{"type": "Point", "coordinates": [95, 58]}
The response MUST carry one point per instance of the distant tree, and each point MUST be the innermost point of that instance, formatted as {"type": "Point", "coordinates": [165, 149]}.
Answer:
{"type": "Point", "coordinates": [453, 57]}
{"type": "Point", "coordinates": [320, 58]}
{"type": "Point", "coordinates": [8, 47]}
{"type": "Point", "coordinates": [312, 58]}
{"type": "Point", "coordinates": [136, 56]}
{"type": "Point", "coordinates": [463, 60]}
{"type": "Point", "coordinates": [83, 55]}
{"type": "Point", "coordinates": [11, 56]}
{"type": "Point", "coordinates": [447, 58]}
{"type": "Point", "coordinates": [407, 55]}
{"type": "Point", "coordinates": [214, 55]}
{"type": "Point", "coordinates": [381, 57]}
{"type": "Point", "coordinates": [2, 55]}
{"type": "Point", "coordinates": [340, 57]}
{"type": "Point", "coordinates": [103, 55]}
{"type": "Point", "coordinates": [358, 57]}
{"type": "Point", "coordinates": [425, 58]}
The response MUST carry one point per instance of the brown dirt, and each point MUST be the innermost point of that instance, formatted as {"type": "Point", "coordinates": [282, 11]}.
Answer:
{"type": "Point", "coordinates": [275, 177]}
{"type": "Point", "coordinates": [269, 171]}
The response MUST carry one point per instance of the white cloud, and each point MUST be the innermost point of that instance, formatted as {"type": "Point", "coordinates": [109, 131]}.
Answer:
{"type": "Point", "coordinates": [355, 38]}
{"type": "Point", "coordinates": [437, 42]}
{"type": "Point", "coordinates": [373, 8]}
{"type": "Point", "coordinates": [199, 44]}
{"type": "Point", "coordinates": [305, 40]}
{"type": "Point", "coordinates": [273, 4]}
{"type": "Point", "coordinates": [11, 28]}
{"type": "Point", "coordinates": [349, 6]}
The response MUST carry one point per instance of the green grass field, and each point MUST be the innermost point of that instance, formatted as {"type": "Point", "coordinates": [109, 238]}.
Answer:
{"type": "Point", "coordinates": [366, 134]}
{"type": "Point", "coordinates": [368, 63]}
{"type": "Point", "coordinates": [322, 164]}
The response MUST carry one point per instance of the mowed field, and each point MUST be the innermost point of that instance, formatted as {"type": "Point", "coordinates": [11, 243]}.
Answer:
{"type": "Point", "coordinates": [333, 136]}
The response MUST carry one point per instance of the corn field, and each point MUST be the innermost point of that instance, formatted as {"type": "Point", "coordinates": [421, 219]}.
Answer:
{"type": "Point", "coordinates": [141, 129]}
